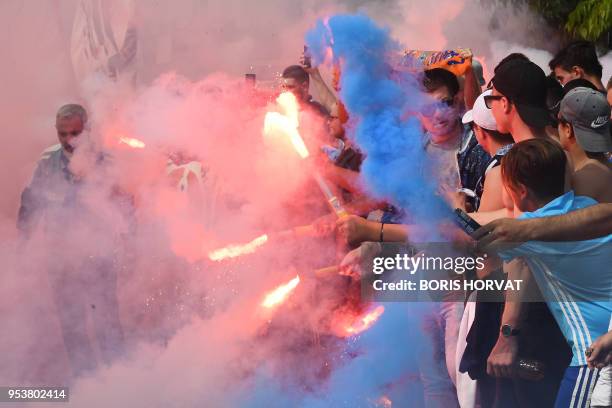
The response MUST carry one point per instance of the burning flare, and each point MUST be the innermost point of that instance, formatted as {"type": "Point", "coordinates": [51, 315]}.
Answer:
{"type": "Point", "coordinates": [233, 251]}
{"type": "Point", "coordinates": [133, 143]}
{"type": "Point", "coordinates": [280, 294]}
{"type": "Point", "coordinates": [286, 123]}
{"type": "Point", "coordinates": [364, 322]}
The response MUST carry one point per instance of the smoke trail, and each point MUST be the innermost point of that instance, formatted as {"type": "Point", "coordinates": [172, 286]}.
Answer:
{"type": "Point", "coordinates": [377, 99]}
{"type": "Point", "coordinates": [375, 365]}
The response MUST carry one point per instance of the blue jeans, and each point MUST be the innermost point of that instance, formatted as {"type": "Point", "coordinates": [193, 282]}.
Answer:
{"type": "Point", "coordinates": [436, 353]}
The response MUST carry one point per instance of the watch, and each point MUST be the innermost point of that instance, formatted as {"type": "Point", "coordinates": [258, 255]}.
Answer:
{"type": "Point", "coordinates": [507, 331]}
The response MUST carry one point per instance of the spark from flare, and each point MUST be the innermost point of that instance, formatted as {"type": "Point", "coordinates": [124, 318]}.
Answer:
{"type": "Point", "coordinates": [133, 143]}
{"type": "Point", "coordinates": [280, 294]}
{"type": "Point", "coordinates": [365, 321]}
{"type": "Point", "coordinates": [384, 402]}
{"type": "Point", "coordinates": [233, 251]}
{"type": "Point", "coordinates": [286, 122]}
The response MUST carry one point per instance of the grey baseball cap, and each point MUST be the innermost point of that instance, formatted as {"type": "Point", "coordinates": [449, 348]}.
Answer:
{"type": "Point", "coordinates": [589, 113]}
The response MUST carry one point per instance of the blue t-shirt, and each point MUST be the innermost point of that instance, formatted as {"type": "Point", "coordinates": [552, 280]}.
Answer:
{"type": "Point", "coordinates": [574, 277]}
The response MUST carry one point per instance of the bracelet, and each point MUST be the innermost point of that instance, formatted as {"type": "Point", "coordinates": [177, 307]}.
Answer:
{"type": "Point", "coordinates": [382, 232]}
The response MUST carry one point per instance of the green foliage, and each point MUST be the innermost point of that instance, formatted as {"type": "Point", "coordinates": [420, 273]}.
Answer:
{"type": "Point", "coordinates": [578, 19]}
{"type": "Point", "coordinates": [590, 19]}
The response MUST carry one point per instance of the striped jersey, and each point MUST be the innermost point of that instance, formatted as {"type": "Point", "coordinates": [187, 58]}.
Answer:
{"type": "Point", "coordinates": [574, 277]}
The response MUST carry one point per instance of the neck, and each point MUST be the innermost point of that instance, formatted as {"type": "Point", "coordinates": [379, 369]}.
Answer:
{"type": "Point", "coordinates": [494, 146]}
{"type": "Point", "coordinates": [579, 157]}
{"type": "Point", "coordinates": [595, 81]}
{"type": "Point", "coordinates": [534, 204]}
{"type": "Point", "coordinates": [520, 131]}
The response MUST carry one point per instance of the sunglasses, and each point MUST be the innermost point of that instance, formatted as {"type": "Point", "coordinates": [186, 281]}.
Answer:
{"type": "Point", "coordinates": [73, 133]}
{"type": "Point", "coordinates": [431, 108]}
{"type": "Point", "coordinates": [488, 100]}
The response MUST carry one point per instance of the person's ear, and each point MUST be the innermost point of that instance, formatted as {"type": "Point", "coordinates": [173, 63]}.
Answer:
{"type": "Point", "coordinates": [563, 129]}
{"type": "Point", "coordinates": [577, 71]}
{"type": "Point", "coordinates": [516, 191]}
{"type": "Point", "coordinates": [570, 132]}
{"type": "Point", "coordinates": [521, 191]}
{"type": "Point", "coordinates": [506, 105]}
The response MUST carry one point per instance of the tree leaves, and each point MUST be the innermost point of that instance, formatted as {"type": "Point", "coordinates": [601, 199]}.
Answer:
{"type": "Point", "coordinates": [590, 19]}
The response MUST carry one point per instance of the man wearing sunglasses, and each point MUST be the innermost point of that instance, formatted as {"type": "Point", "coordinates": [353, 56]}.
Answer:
{"type": "Point", "coordinates": [454, 153]}
{"type": "Point", "coordinates": [518, 100]}
{"type": "Point", "coordinates": [518, 103]}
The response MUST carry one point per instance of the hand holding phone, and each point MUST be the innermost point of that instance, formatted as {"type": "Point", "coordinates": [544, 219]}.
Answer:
{"type": "Point", "coordinates": [465, 222]}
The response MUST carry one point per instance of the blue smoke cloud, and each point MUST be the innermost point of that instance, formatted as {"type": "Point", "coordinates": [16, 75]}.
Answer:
{"type": "Point", "coordinates": [377, 99]}
{"type": "Point", "coordinates": [381, 361]}
{"type": "Point", "coordinates": [378, 362]}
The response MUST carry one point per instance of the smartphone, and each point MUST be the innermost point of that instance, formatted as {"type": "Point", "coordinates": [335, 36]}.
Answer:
{"type": "Point", "coordinates": [465, 222]}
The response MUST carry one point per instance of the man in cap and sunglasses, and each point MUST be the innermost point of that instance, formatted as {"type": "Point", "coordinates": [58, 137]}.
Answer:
{"type": "Point", "coordinates": [518, 100]}
{"type": "Point", "coordinates": [518, 104]}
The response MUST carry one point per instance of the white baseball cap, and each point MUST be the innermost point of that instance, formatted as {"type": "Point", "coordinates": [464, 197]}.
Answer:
{"type": "Point", "coordinates": [480, 114]}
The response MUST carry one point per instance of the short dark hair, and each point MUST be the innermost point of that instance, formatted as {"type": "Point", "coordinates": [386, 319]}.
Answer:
{"type": "Point", "coordinates": [296, 72]}
{"type": "Point", "coordinates": [501, 138]}
{"type": "Point", "coordinates": [437, 78]}
{"type": "Point", "coordinates": [554, 94]}
{"type": "Point", "coordinates": [539, 165]}
{"type": "Point", "coordinates": [581, 54]}
{"type": "Point", "coordinates": [510, 57]}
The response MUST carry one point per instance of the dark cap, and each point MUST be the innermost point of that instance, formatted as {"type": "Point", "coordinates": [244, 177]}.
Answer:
{"type": "Point", "coordinates": [524, 83]}
{"type": "Point", "coordinates": [589, 113]}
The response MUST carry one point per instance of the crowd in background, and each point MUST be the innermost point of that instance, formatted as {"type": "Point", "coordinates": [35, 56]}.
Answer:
{"type": "Point", "coordinates": [526, 155]}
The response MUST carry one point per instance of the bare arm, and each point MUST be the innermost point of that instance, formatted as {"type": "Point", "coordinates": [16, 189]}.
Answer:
{"type": "Point", "coordinates": [356, 229]}
{"type": "Point", "coordinates": [587, 223]}
{"type": "Point", "coordinates": [492, 192]}
{"type": "Point", "coordinates": [485, 217]}
{"type": "Point", "coordinates": [347, 179]}
{"type": "Point", "coordinates": [471, 88]}
{"type": "Point", "coordinates": [503, 356]}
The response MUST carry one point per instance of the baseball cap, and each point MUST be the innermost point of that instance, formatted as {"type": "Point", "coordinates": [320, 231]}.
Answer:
{"type": "Point", "coordinates": [480, 114]}
{"type": "Point", "coordinates": [524, 83]}
{"type": "Point", "coordinates": [589, 113]}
